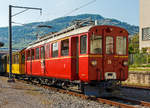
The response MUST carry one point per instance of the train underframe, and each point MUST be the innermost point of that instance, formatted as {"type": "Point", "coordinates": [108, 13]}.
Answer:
{"type": "Point", "coordinates": [105, 88]}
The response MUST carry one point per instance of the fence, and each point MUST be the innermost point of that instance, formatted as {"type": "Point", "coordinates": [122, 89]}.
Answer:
{"type": "Point", "coordinates": [139, 59]}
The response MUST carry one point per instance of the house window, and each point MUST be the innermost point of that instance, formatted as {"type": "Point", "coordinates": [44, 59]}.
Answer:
{"type": "Point", "coordinates": [146, 33]}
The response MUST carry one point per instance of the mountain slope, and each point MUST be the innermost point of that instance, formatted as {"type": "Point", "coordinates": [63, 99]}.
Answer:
{"type": "Point", "coordinates": [22, 35]}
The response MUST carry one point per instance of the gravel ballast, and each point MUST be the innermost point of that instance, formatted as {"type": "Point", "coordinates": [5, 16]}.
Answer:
{"type": "Point", "coordinates": [21, 95]}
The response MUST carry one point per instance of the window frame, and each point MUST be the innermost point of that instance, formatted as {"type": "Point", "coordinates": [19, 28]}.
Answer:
{"type": "Point", "coordinates": [28, 55]}
{"type": "Point", "coordinates": [64, 47]}
{"type": "Point", "coordinates": [53, 50]}
{"type": "Point", "coordinates": [33, 54]}
{"type": "Point", "coordinates": [84, 35]}
{"type": "Point", "coordinates": [146, 31]}
{"type": "Point", "coordinates": [42, 53]}
{"type": "Point", "coordinates": [113, 44]}
{"type": "Point", "coordinates": [37, 57]}
{"type": "Point", "coordinates": [99, 47]}
{"type": "Point", "coordinates": [122, 47]}
{"type": "Point", "coordinates": [47, 51]}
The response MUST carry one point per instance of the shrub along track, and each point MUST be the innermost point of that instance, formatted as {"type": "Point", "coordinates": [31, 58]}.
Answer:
{"type": "Point", "coordinates": [114, 101]}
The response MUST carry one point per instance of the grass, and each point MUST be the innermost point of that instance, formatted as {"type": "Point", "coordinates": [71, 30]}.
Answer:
{"type": "Point", "coordinates": [139, 69]}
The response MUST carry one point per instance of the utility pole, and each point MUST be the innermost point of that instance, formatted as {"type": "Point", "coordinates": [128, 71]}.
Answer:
{"type": "Point", "coordinates": [11, 79]}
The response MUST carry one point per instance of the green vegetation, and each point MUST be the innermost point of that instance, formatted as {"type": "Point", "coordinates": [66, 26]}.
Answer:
{"type": "Point", "coordinates": [134, 44]}
{"type": "Point", "coordinates": [137, 69]}
{"type": "Point", "coordinates": [138, 61]}
{"type": "Point", "coordinates": [23, 35]}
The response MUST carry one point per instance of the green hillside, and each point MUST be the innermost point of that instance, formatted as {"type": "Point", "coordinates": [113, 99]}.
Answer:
{"type": "Point", "coordinates": [22, 35]}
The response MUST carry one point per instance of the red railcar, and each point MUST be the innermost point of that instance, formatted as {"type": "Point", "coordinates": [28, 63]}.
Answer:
{"type": "Point", "coordinates": [90, 55]}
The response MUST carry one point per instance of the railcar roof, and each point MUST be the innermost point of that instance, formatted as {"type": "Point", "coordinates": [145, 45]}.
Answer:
{"type": "Point", "coordinates": [51, 38]}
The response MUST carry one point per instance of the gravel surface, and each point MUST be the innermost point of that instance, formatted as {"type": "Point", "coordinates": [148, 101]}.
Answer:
{"type": "Point", "coordinates": [21, 95]}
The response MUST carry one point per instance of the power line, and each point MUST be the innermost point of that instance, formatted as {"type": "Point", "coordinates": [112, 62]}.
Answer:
{"type": "Point", "coordinates": [79, 7]}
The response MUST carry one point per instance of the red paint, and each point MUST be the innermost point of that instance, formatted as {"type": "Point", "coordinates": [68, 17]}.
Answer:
{"type": "Point", "coordinates": [66, 67]}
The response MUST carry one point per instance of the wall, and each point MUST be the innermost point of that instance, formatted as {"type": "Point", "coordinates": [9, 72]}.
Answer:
{"type": "Point", "coordinates": [144, 21]}
{"type": "Point", "coordinates": [138, 78]}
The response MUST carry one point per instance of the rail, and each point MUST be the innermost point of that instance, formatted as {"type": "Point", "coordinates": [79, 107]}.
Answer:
{"type": "Point", "coordinates": [124, 104]}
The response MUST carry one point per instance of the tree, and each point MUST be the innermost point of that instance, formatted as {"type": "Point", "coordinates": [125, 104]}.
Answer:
{"type": "Point", "coordinates": [133, 47]}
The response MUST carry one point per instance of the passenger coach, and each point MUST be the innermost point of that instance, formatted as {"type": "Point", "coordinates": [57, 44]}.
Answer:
{"type": "Point", "coordinates": [90, 55]}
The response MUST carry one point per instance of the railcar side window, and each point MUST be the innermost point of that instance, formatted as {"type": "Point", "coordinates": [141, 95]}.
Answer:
{"type": "Point", "coordinates": [96, 44]}
{"type": "Point", "coordinates": [55, 49]}
{"type": "Point", "coordinates": [65, 47]}
{"type": "Point", "coordinates": [37, 53]}
{"type": "Point", "coordinates": [13, 59]}
{"type": "Point", "coordinates": [121, 45]}
{"type": "Point", "coordinates": [47, 51]}
{"type": "Point", "coordinates": [109, 45]}
{"type": "Point", "coordinates": [22, 59]}
{"type": "Point", "coordinates": [7, 59]}
{"type": "Point", "coordinates": [16, 59]}
{"type": "Point", "coordinates": [83, 44]}
{"type": "Point", "coordinates": [32, 54]}
{"type": "Point", "coordinates": [28, 55]}
{"type": "Point", "coordinates": [42, 52]}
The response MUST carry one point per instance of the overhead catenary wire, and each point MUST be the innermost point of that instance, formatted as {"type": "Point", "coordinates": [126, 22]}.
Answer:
{"type": "Point", "coordinates": [79, 7]}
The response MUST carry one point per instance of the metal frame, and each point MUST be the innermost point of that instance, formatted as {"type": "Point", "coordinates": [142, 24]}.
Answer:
{"type": "Point", "coordinates": [11, 79]}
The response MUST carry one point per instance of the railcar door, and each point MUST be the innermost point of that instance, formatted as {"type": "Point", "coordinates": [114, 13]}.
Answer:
{"type": "Point", "coordinates": [108, 57]}
{"type": "Point", "coordinates": [28, 62]}
{"type": "Point", "coordinates": [75, 58]}
{"type": "Point", "coordinates": [42, 60]}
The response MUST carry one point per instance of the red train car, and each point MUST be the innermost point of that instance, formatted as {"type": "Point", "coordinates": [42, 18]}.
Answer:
{"type": "Point", "coordinates": [93, 57]}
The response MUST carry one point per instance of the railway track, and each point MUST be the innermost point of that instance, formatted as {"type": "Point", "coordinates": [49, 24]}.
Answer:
{"type": "Point", "coordinates": [115, 101]}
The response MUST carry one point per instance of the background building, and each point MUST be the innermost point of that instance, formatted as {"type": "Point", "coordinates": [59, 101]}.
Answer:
{"type": "Point", "coordinates": [144, 32]}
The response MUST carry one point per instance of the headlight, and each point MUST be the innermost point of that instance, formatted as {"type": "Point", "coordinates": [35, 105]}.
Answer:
{"type": "Point", "coordinates": [94, 63]}
{"type": "Point", "coordinates": [125, 63]}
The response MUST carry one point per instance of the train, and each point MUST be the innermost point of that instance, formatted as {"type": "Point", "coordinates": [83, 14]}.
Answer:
{"type": "Point", "coordinates": [93, 58]}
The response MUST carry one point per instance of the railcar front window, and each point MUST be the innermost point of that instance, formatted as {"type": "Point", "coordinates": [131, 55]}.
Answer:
{"type": "Point", "coordinates": [96, 44]}
{"type": "Point", "coordinates": [121, 45]}
{"type": "Point", "coordinates": [109, 45]}
{"type": "Point", "coordinates": [83, 44]}
{"type": "Point", "coordinates": [55, 49]}
{"type": "Point", "coordinates": [65, 47]}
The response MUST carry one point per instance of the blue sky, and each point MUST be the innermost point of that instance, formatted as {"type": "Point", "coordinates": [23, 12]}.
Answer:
{"type": "Point", "coordinates": [124, 10]}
